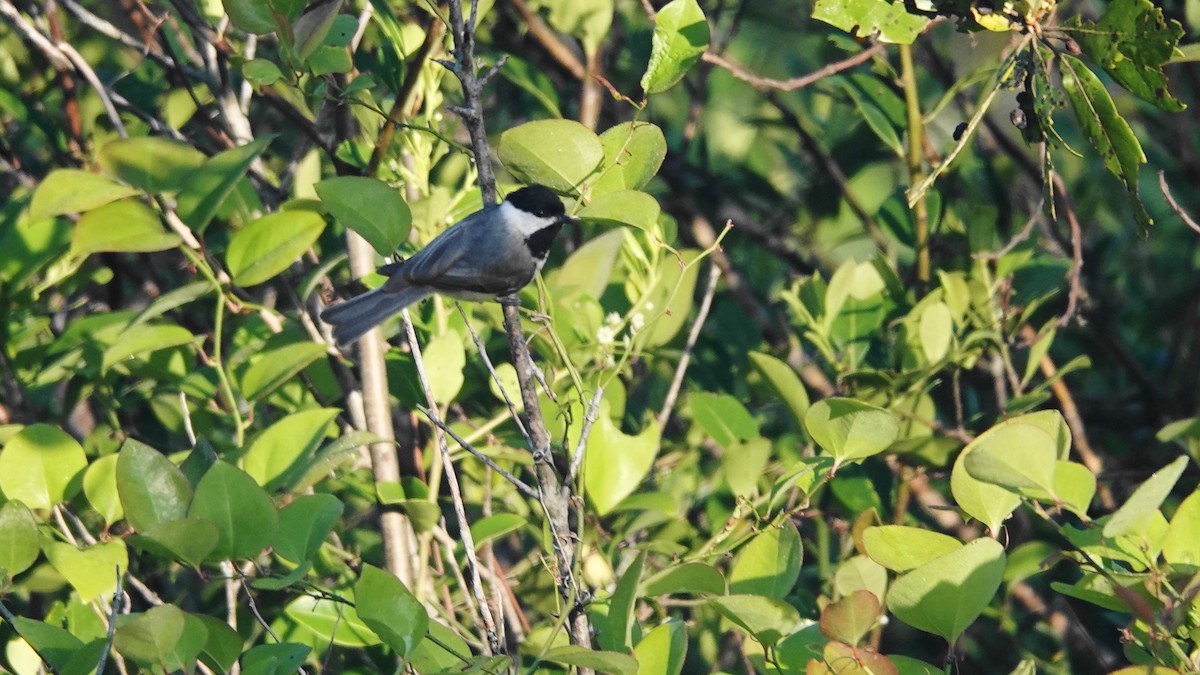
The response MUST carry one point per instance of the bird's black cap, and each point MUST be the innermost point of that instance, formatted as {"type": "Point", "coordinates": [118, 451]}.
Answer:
{"type": "Point", "coordinates": [538, 200]}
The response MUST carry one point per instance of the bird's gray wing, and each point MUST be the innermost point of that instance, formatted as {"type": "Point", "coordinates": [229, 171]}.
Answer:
{"type": "Point", "coordinates": [443, 253]}
{"type": "Point", "coordinates": [446, 265]}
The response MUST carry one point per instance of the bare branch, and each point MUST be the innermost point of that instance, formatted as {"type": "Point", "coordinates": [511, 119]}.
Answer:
{"type": "Point", "coordinates": [794, 83]}
{"type": "Point", "coordinates": [1183, 215]}
{"type": "Point", "coordinates": [521, 486]}
{"type": "Point", "coordinates": [714, 273]}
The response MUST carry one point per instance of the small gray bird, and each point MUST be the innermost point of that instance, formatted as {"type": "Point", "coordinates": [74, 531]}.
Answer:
{"type": "Point", "coordinates": [490, 254]}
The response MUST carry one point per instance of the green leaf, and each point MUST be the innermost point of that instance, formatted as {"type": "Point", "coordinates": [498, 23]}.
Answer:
{"type": "Point", "coordinates": [860, 573]}
{"type": "Point", "coordinates": [1131, 42]}
{"type": "Point", "coordinates": [589, 268]}
{"type": "Point", "coordinates": [680, 38]}
{"type": "Point", "coordinates": [582, 657]}
{"type": "Point", "coordinates": [1105, 129]}
{"type": "Point", "coordinates": [209, 186]}
{"type": "Point", "coordinates": [91, 571]}
{"type": "Point", "coordinates": [723, 418]}
{"type": "Point", "coordinates": [616, 463]}
{"type": "Point", "coordinates": [663, 650]}
{"type": "Point", "coordinates": [370, 207]}
{"type": "Point", "coordinates": [74, 191]}
{"type": "Point", "coordinates": [784, 381]}
{"type": "Point", "coordinates": [534, 81]}
{"type": "Point", "coordinates": [163, 636]}
{"type": "Point", "coordinates": [38, 466]}
{"type": "Point", "coordinates": [56, 645]}
{"type": "Point", "coordinates": [189, 540]}
{"type": "Point", "coordinates": [1013, 455]}
{"type": "Point", "coordinates": [849, 429]}
{"type": "Point", "coordinates": [694, 578]}
{"type": "Point", "coordinates": [620, 622]}
{"type": "Point", "coordinates": [445, 359]}
{"type": "Point", "coordinates": [1074, 487]}
{"type": "Point", "coordinates": [243, 513]}
{"type": "Point", "coordinates": [19, 545]}
{"type": "Point", "coordinates": [151, 163]}
{"type": "Point", "coordinates": [1135, 513]}
{"type": "Point", "coordinates": [144, 338]}
{"type": "Point", "coordinates": [559, 154]}
{"type": "Point", "coordinates": [261, 72]}
{"type": "Point", "coordinates": [126, 226]}
{"type": "Point", "coordinates": [304, 524]}
{"type": "Point", "coordinates": [276, 456]}
{"type": "Point", "coordinates": [223, 646]}
{"type": "Point", "coordinates": [331, 621]}
{"type": "Point", "coordinates": [880, 19]}
{"type": "Point", "coordinates": [272, 367]}
{"type": "Point", "coordinates": [743, 464]}
{"type": "Point", "coordinates": [389, 609]}
{"type": "Point", "coordinates": [901, 548]}
{"type": "Point", "coordinates": [100, 488]}
{"type": "Point", "coordinates": [252, 16]}
{"type": "Point", "coordinates": [633, 154]}
{"type": "Point", "coordinates": [495, 526]}
{"type": "Point", "coordinates": [936, 330]}
{"type": "Point", "coordinates": [151, 488]}
{"type": "Point", "coordinates": [624, 207]}
{"type": "Point", "coordinates": [947, 594]}
{"type": "Point", "coordinates": [767, 619]}
{"type": "Point", "coordinates": [267, 246]}
{"type": "Point", "coordinates": [283, 657]}
{"type": "Point", "coordinates": [848, 619]}
{"type": "Point", "coordinates": [310, 28]}
{"type": "Point", "coordinates": [769, 564]}
{"type": "Point", "coordinates": [1181, 545]}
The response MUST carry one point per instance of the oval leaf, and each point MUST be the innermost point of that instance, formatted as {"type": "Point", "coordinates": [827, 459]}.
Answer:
{"type": "Point", "coordinates": [947, 594]}
{"type": "Point", "coordinates": [74, 191]}
{"type": "Point", "coordinates": [19, 546]}
{"type": "Point", "coordinates": [270, 244]}
{"type": "Point", "coordinates": [389, 609]}
{"type": "Point", "coordinates": [770, 564]}
{"type": "Point", "coordinates": [559, 154]}
{"type": "Point", "coordinates": [680, 37]}
{"type": "Point", "coordinates": [39, 464]}
{"type": "Point", "coordinates": [126, 226]}
{"type": "Point", "coordinates": [850, 429]}
{"type": "Point", "coordinates": [151, 488]}
{"type": "Point", "coordinates": [370, 207]}
{"type": "Point", "coordinates": [243, 513]}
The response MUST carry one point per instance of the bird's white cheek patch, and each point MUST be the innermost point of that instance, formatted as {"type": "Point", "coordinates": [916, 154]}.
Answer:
{"type": "Point", "coordinates": [524, 223]}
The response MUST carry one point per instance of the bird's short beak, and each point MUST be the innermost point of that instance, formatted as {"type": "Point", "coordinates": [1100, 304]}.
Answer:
{"type": "Point", "coordinates": [569, 220]}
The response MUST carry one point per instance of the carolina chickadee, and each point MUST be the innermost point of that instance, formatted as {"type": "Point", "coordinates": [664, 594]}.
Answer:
{"type": "Point", "coordinates": [490, 254]}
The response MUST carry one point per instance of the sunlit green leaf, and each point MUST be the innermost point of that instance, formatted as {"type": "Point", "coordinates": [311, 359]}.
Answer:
{"type": "Point", "coordinates": [38, 466]}
{"type": "Point", "coordinates": [267, 246]}
{"type": "Point", "coordinates": [369, 207]}
{"type": "Point", "coordinates": [559, 154]}
{"type": "Point", "coordinates": [680, 37]}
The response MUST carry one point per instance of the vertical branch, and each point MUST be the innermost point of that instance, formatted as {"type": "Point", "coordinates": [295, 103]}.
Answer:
{"type": "Point", "coordinates": [399, 551]}
{"type": "Point", "coordinates": [556, 496]}
{"type": "Point", "coordinates": [916, 138]}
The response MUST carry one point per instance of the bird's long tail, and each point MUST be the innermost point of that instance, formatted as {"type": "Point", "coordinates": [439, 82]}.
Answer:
{"type": "Point", "coordinates": [352, 318]}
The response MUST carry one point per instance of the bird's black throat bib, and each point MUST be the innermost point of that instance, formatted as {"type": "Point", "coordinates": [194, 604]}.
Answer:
{"type": "Point", "coordinates": [539, 242]}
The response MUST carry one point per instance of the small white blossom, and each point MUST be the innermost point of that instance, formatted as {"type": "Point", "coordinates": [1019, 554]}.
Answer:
{"type": "Point", "coordinates": [636, 322]}
{"type": "Point", "coordinates": [605, 335]}
{"type": "Point", "coordinates": [613, 319]}
{"type": "Point", "coordinates": [649, 306]}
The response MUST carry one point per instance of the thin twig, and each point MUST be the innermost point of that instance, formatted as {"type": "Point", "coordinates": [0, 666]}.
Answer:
{"type": "Point", "coordinates": [794, 83]}
{"type": "Point", "coordinates": [589, 418]}
{"type": "Point", "coordinates": [1075, 290]}
{"type": "Point", "coordinates": [487, 361]}
{"type": "Point", "coordinates": [521, 485]}
{"type": "Point", "coordinates": [114, 609]}
{"type": "Point", "coordinates": [714, 273]}
{"type": "Point", "coordinates": [1183, 215]}
{"type": "Point", "coordinates": [464, 526]}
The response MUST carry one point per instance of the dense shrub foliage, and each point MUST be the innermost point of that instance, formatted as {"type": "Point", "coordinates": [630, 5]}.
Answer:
{"type": "Point", "coordinates": [876, 349]}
